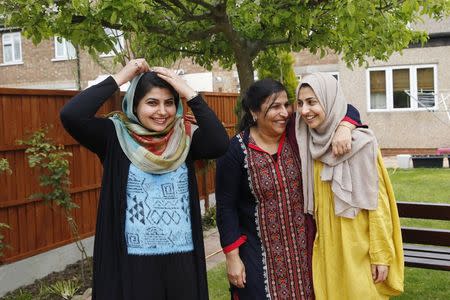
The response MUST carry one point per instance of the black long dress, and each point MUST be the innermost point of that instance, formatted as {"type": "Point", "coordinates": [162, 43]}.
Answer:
{"type": "Point", "coordinates": [111, 267]}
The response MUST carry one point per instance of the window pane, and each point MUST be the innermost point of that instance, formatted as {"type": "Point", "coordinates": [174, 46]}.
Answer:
{"type": "Point", "coordinates": [59, 49]}
{"type": "Point", "coordinates": [7, 53]}
{"type": "Point", "coordinates": [400, 80]}
{"type": "Point", "coordinates": [7, 39]}
{"type": "Point", "coordinates": [425, 87]}
{"type": "Point", "coordinates": [17, 52]}
{"type": "Point", "coordinates": [377, 90]}
{"type": "Point", "coordinates": [70, 50]}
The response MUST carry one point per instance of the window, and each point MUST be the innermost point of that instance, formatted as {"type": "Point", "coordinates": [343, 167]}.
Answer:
{"type": "Point", "coordinates": [402, 88]}
{"type": "Point", "coordinates": [119, 41]}
{"type": "Point", "coordinates": [12, 48]}
{"type": "Point", "coordinates": [64, 49]}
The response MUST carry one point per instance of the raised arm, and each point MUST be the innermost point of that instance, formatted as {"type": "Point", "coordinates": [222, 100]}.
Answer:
{"type": "Point", "coordinates": [210, 140]}
{"type": "Point", "coordinates": [78, 116]}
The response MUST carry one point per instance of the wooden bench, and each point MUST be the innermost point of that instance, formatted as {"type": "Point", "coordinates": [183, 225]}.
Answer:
{"type": "Point", "coordinates": [425, 247]}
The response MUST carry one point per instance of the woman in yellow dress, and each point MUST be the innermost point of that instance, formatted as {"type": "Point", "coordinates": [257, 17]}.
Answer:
{"type": "Point", "coordinates": [357, 252]}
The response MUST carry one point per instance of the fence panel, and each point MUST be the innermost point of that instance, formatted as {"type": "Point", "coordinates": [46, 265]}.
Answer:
{"type": "Point", "coordinates": [35, 226]}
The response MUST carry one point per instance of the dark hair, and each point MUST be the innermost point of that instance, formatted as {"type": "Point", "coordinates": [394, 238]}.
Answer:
{"type": "Point", "coordinates": [147, 82]}
{"type": "Point", "coordinates": [255, 96]}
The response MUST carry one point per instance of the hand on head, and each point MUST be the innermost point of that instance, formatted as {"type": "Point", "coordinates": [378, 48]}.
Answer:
{"type": "Point", "coordinates": [137, 66]}
{"type": "Point", "coordinates": [178, 83]}
{"type": "Point", "coordinates": [133, 68]}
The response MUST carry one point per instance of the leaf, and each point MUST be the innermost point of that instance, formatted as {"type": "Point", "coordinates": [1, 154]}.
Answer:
{"type": "Point", "coordinates": [113, 17]}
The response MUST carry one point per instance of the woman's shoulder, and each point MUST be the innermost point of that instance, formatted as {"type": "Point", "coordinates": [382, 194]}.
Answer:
{"type": "Point", "coordinates": [236, 148]}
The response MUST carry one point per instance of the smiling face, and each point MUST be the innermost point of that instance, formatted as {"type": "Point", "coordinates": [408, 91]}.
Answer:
{"type": "Point", "coordinates": [157, 109]}
{"type": "Point", "coordinates": [273, 116]}
{"type": "Point", "coordinates": [310, 108]}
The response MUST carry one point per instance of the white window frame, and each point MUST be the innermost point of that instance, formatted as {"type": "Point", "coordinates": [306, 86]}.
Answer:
{"type": "Point", "coordinates": [12, 36]}
{"type": "Point", "coordinates": [412, 84]}
{"type": "Point", "coordinates": [66, 48]}
{"type": "Point", "coordinates": [120, 41]}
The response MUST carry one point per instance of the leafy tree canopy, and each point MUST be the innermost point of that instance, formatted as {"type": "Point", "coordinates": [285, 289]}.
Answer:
{"type": "Point", "coordinates": [228, 31]}
{"type": "Point", "coordinates": [279, 66]}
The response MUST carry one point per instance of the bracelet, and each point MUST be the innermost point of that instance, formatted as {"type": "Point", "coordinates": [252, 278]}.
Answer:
{"type": "Point", "coordinates": [192, 97]}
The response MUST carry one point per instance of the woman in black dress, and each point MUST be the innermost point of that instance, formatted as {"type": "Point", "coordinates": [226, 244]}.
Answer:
{"type": "Point", "coordinates": [148, 242]}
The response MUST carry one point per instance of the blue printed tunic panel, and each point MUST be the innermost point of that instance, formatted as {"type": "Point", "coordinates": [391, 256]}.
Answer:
{"type": "Point", "coordinates": [158, 214]}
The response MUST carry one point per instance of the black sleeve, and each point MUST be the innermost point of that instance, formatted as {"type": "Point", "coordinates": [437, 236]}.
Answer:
{"type": "Point", "coordinates": [229, 178]}
{"type": "Point", "coordinates": [78, 116]}
{"type": "Point", "coordinates": [353, 114]}
{"type": "Point", "coordinates": [210, 140]}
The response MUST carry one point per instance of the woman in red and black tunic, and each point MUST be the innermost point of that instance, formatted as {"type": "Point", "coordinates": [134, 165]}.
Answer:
{"type": "Point", "coordinates": [264, 231]}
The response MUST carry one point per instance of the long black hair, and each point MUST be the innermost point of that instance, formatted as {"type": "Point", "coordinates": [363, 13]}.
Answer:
{"type": "Point", "coordinates": [148, 81]}
{"type": "Point", "coordinates": [255, 96]}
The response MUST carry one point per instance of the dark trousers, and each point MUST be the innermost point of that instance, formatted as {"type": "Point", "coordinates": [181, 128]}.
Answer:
{"type": "Point", "coordinates": [163, 277]}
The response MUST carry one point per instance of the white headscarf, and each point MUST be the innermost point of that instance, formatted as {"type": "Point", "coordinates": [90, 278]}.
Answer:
{"type": "Point", "coordinates": [353, 176]}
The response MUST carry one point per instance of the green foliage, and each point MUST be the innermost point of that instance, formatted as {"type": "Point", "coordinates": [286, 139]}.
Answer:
{"type": "Point", "coordinates": [230, 32]}
{"type": "Point", "coordinates": [209, 219]}
{"type": "Point", "coordinates": [2, 237]}
{"type": "Point", "coordinates": [51, 159]}
{"type": "Point", "coordinates": [4, 166]}
{"type": "Point", "coordinates": [65, 289]}
{"type": "Point", "coordinates": [278, 65]}
{"type": "Point", "coordinates": [20, 295]}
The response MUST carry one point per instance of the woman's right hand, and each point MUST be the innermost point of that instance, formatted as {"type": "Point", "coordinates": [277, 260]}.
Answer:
{"type": "Point", "coordinates": [235, 269]}
{"type": "Point", "coordinates": [133, 68]}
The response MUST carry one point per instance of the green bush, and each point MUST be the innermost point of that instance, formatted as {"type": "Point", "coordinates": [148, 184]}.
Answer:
{"type": "Point", "coordinates": [209, 218]}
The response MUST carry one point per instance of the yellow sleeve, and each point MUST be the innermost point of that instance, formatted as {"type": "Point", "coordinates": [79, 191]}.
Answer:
{"type": "Point", "coordinates": [386, 246]}
{"type": "Point", "coordinates": [381, 249]}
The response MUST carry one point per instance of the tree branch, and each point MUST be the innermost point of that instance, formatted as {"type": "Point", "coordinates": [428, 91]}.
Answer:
{"type": "Point", "coordinates": [204, 4]}
{"type": "Point", "coordinates": [171, 48]}
{"type": "Point", "coordinates": [174, 11]}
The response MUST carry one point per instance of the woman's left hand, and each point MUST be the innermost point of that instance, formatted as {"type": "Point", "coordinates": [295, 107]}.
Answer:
{"type": "Point", "coordinates": [178, 83]}
{"type": "Point", "coordinates": [379, 273]}
{"type": "Point", "coordinates": [342, 139]}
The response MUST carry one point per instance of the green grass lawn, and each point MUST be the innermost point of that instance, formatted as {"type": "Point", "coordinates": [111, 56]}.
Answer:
{"type": "Point", "coordinates": [422, 185]}
{"type": "Point", "coordinates": [415, 185]}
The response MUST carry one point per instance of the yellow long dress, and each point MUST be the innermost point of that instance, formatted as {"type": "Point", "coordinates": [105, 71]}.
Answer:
{"type": "Point", "coordinates": [344, 248]}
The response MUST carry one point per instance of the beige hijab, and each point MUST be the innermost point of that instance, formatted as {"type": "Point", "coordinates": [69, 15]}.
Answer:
{"type": "Point", "coordinates": [353, 177]}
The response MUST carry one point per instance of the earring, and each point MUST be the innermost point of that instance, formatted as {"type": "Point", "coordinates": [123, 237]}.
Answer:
{"type": "Point", "coordinates": [254, 118]}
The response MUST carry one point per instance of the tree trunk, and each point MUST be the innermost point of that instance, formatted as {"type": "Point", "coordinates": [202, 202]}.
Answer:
{"type": "Point", "coordinates": [244, 65]}
{"type": "Point", "coordinates": [78, 67]}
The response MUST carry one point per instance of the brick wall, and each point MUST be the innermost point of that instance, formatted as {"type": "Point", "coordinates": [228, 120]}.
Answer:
{"type": "Point", "coordinates": [305, 58]}
{"type": "Point", "coordinates": [39, 69]}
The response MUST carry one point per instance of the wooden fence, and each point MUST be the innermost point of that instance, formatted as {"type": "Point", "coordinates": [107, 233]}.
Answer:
{"type": "Point", "coordinates": [36, 227]}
